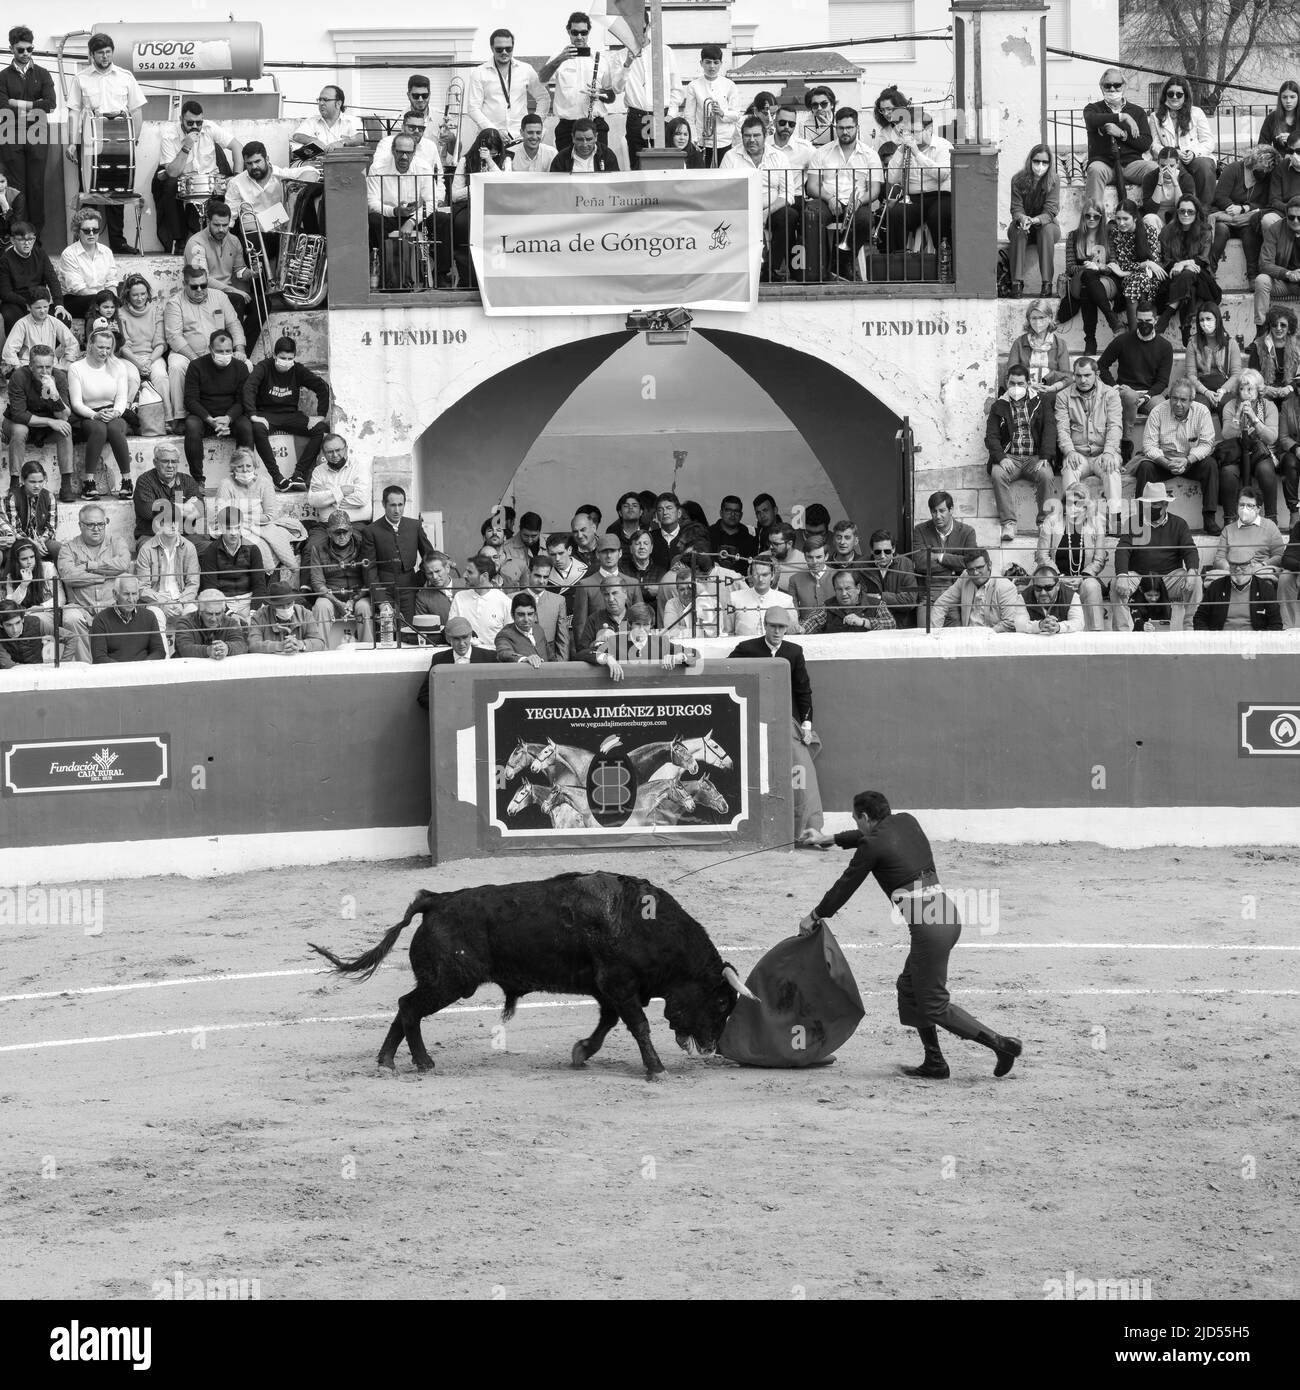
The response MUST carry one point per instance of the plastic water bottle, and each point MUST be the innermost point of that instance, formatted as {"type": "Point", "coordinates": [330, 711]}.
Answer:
{"type": "Point", "coordinates": [374, 268]}
{"type": "Point", "coordinates": [387, 632]}
{"type": "Point", "coordinates": [945, 261]}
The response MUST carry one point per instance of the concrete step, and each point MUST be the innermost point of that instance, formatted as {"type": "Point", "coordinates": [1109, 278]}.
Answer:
{"type": "Point", "coordinates": [1238, 318]}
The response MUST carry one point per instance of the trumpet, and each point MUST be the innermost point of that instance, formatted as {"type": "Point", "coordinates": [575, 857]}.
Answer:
{"type": "Point", "coordinates": [709, 129]}
{"type": "Point", "coordinates": [850, 211]}
{"type": "Point", "coordinates": [456, 101]}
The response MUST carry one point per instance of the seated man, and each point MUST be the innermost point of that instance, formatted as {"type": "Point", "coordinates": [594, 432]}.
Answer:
{"type": "Point", "coordinates": [197, 150]}
{"type": "Point", "coordinates": [482, 602]}
{"type": "Point", "coordinates": [940, 545]}
{"type": "Point", "coordinates": [214, 632]}
{"type": "Point", "coordinates": [1279, 263]}
{"type": "Point", "coordinates": [461, 652]}
{"type": "Point", "coordinates": [552, 616]}
{"type": "Point", "coordinates": [38, 328]}
{"type": "Point", "coordinates": [333, 565]}
{"type": "Point", "coordinates": [747, 603]}
{"type": "Point", "coordinates": [343, 484]}
{"type": "Point", "coordinates": [690, 608]}
{"type": "Point", "coordinates": [1053, 606]}
{"type": "Point", "coordinates": [927, 196]}
{"type": "Point", "coordinates": [1073, 538]}
{"type": "Point", "coordinates": [519, 552]}
{"type": "Point", "coordinates": [124, 631]}
{"type": "Point", "coordinates": [87, 566]}
{"type": "Point", "coordinates": [1250, 531]}
{"type": "Point", "coordinates": [215, 247]}
{"type": "Point", "coordinates": [1163, 549]}
{"type": "Point", "coordinates": [282, 627]}
{"type": "Point", "coordinates": [1140, 364]}
{"type": "Point", "coordinates": [615, 592]}
{"type": "Point", "coordinates": [978, 599]}
{"type": "Point", "coordinates": [1244, 600]}
{"type": "Point", "coordinates": [892, 576]}
{"type": "Point", "coordinates": [167, 566]}
{"type": "Point", "coordinates": [843, 182]}
{"type": "Point", "coordinates": [24, 264]}
{"type": "Point", "coordinates": [854, 607]}
{"type": "Point", "coordinates": [273, 405]}
{"type": "Point", "coordinates": [1238, 209]}
{"type": "Point", "coordinates": [586, 155]}
{"type": "Point", "coordinates": [165, 494]}
{"type": "Point", "coordinates": [404, 193]}
{"type": "Point", "coordinates": [633, 638]}
{"type": "Point", "coordinates": [1179, 442]}
{"type": "Point", "coordinates": [433, 598]}
{"type": "Point", "coordinates": [846, 548]}
{"type": "Point", "coordinates": [190, 318]}
{"type": "Point", "coordinates": [566, 570]}
{"type": "Point", "coordinates": [214, 401]}
{"type": "Point", "coordinates": [1021, 440]}
{"type": "Point", "coordinates": [21, 637]}
{"type": "Point", "coordinates": [784, 550]}
{"type": "Point", "coordinates": [608, 564]}
{"type": "Point", "coordinates": [728, 530]}
{"type": "Point", "coordinates": [1288, 588]}
{"type": "Point", "coordinates": [772, 167]}
{"type": "Point", "coordinates": [522, 639]}
{"type": "Point", "coordinates": [1089, 431]}
{"type": "Point", "coordinates": [532, 155]}
{"type": "Point", "coordinates": [811, 588]}
{"type": "Point", "coordinates": [232, 566]}
{"type": "Point", "coordinates": [38, 411]}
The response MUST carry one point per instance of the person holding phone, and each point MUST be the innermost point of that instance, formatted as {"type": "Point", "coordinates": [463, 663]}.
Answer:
{"type": "Point", "coordinates": [583, 83]}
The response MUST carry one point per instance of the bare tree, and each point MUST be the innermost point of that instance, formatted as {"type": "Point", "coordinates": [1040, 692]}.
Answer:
{"type": "Point", "coordinates": [1211, 39]}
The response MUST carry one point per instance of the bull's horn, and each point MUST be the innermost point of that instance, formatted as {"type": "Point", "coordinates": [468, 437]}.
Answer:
{"type": "Point", "coordinates": [729, 974]}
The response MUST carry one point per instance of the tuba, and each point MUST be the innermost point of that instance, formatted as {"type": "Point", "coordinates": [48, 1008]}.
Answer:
{"type": "Point", "coordinates": [303, 264]}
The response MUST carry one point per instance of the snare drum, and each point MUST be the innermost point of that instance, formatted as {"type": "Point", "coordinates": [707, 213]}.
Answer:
{"type": "Point", "coordinates": [198, 188]}
{"type": "Point", "coordinates": [108, 155]}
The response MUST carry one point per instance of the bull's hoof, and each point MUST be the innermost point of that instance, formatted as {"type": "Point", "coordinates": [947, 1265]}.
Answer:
{"type": "Point", "coordinates": [578, 1057]}
{"type": "Point", "coordinates": [657, 1075]}
{"type": "Point", "coordinates": [386, 1064]}
{"type": "Point", "coordinates": [423, 1068]}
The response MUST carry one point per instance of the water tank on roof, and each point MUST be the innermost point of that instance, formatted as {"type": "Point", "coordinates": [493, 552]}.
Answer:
{"type": "Point", "coordinates": [168, 50]}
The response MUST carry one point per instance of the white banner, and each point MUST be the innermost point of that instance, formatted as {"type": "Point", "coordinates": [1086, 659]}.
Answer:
{"type": "Point", "coordinates": [564, 244]}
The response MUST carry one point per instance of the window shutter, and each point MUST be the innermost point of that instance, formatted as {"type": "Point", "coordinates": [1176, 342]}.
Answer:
{"type": "Point", "coordinates": [383, 90]}
{"type": "Point", "coordinates": [869, 19]}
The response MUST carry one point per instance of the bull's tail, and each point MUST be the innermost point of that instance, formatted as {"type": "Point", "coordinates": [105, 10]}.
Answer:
{"type": "Point", "coordinates": [365, 965]}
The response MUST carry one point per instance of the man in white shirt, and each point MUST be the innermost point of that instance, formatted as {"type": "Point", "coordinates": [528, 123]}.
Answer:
{"type": "Point", "coordinates": [784, 136]}
{"type": "Point", "coordinates": [583, 83]}
{"type": "Point", "coordinates": [486, 607]}
{"type": "Point", "coordinates": [711, 86]}
{"type": "Point", "coordinates": [404, 196]}
{"type": "Point", "coordinates": [190, 149]}
{"type": "Point", "coordinates": [747, 603]}
{"type": "Point", "coordinates": [532, 155]}
{"type": "Point", "coordinates": [340, 484]}
{"type": "Point", "coordinates": [843, 181]}
{"type": "Point", "coordinates": [416, 125]}
{"type": "Point", "coordinates": [770, 164]}
{"type": "Point", "coordinates": [332, 125]}
{"type": "Point", "coordinates": [497, 93]}
{"type": "Point", "coordinates": [104, 89]}
{"type": "Point", "coordinates": [260, 189]}
{"type": "Point", "coordinates": [928, 158]}
{"type": "Point", "coordinates": [634, 81]}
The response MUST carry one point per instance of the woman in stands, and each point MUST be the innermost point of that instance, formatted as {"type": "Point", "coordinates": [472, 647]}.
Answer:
{"type": "Point", "coordinates": [1213, 359]}
{"type": "Point", "coordinates": [891, 105]}
{"type": "Point", "coordinates": [140, 322]}
{"type": "Point", "coordinates": [1245, 453]}
{"type": "Point", "coordinates": [1132, 262]}
{"type": "Point", "coordinates": [1177, 122]}
{"type": "Point", "coordinates": [1281, 128]}
{"type": "Point", "coordinates": [1090, 284]}
{"type": "Point", "coordinates": [1042, 350]}
{"type": "Point", "coordinates": [487, 155]}
{"type": "Point", "coordinates": [677, 136]}
{"type": "Point", "coordinates": [97, 387]}
{"type": "Point", "coordinates": [1073, 537]}
{"type": "Point", "coordinates": [26, 586]}
{"type": "Point", "coordinates": [252, 494]}
{"type": "Point", "coordinates": [1035, 203]}
{"type": "Point", "coordinates": [1185, 255]}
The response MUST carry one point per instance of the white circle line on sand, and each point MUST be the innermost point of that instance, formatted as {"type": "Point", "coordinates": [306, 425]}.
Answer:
{"type": "Point", "coordinates": [578, 1003]}
{"type": "Point", "coordinates": [726, 950]}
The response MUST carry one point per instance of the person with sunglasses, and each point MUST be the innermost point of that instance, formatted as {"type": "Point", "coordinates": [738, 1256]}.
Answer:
{"type": "Point", "coordinates": [818, 124]}
{"type": "Point", "coordinates": [1240, 199]}
{"type": "Point", "coordinates": [893, 577]}
{"type": "Point", "coordinates": [1089, 284]}
{"type": "Point", "coordinates": [583, 83]}
{"type": "Point", "coordinates": [1279, 264]}
{"type": "Point", "coordinates": [1053, 606]}
{"type": "Point", "coordinates": [497, 92]}
{"type": "Point", "coordinates": [87, 266]}
{"type": "Point", "coordinates": [27, 92]}
{"type": "Point", "coordinates": [190, 318]}
{"type": "Point", "coordinates": [711, 86]}
{"type": "Point", "coordinates": [191, 147]}
{"type": "Point", "coordinates": [104, 90]}
{"type": "Point", "coordinates": [1177, 121]}
{"type": "Point", "coordinates": [890, 104]}
{"type": "Point", "coordinates": [1119, 134]}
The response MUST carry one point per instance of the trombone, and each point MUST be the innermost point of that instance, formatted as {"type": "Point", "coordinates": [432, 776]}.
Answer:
{"type": "Point", "coordinates": [259, 269]}
{"type": "Point", "coordinates": [456, 102]}
{"type": "Point", "coordinates": [709, 129]}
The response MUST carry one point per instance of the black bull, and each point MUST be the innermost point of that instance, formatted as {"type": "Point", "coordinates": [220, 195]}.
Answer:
{"type": "Point", "coordinates": [619, 939]}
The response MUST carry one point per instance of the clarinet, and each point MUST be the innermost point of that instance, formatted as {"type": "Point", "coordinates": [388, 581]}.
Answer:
{"type": "Point", "coordinates": [595, 69]}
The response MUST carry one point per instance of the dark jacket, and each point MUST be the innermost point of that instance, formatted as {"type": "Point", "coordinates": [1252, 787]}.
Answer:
{"type": "Point", "coordinates": [999, 430]}
{"type": "Point", "coordinates": [1231, 188]}
{"type": "Point", "coordinates": [266, 389]}
{"type": "Point", "coordinates": [35, 85]}
{"type": "Point", "coordinates": [24, 397]}
{"type": "Point", "coordinates": [1108, 148]}
{"type": "Point", "coordinates": [1278, 251]}
{"type": "Point", "coordinates": [1169, 547]}
{"type": "Point", "coordinates": [743, 542]}
{"type": "Point", "coordinates": [235, 575]}
{"type": "Point", "coordinates": [328, 572]}
{"type": "Point", "coordinates": [606, 162]}
{"type": "Point", "coordinates": [212, 390]}
{"type": "Point", "coordinates": [897, 852]}
{"type": "Point", "coordinates": [1141, 366]}
{"type": "Point", "coordinates": [24, 650]}
{"type": "Point", "coordinates": [1265, 616]}
{"type": "Point", "coordinates": [1291, 555]}
{"type": "Point", "coordinates": [395, 558]}
{"type": "Point", "coordinates": [193, 639]}
{"type": "Point", "coordinates": [37, 517]}
{"type": "Point", "coordinates": [1029, 200]}
{"type": "Point", "coordinates": [512, 645]}
{"type": "Point", "coordinates": [19, 273]}
{"type": "Point", "coordinates": [136, 639]}
{"type": "Point", "coordinates": [446, 657]}
{"type": "Point", "coordinates": [756, 648]}
{"type": "Point", "coordinates": [898, 586]}
{"type": "Point", "coordinates": [945, 554]}
{"type": "Point", "coordinates": [153, 498]}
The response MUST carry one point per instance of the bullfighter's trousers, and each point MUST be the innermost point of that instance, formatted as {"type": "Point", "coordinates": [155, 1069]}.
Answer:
{"type": "Point", "coordinates": [923, 1000]}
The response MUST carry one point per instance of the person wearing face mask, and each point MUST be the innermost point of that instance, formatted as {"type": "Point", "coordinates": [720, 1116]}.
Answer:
{"type": "Point", "coordinates": [1213, 359]}
{"type": "Point", "coordinates": [1243, 600]}
{"type": "Point", "coordinates": [1250, 431]}
{"type": "Point", "coordinates": [1021, 440]}
{"type": "Point", "coordinates": [1283, 185]}
{"type": "Point", "coordinates": [273, 404]}
{"type": "Point", "coordinates": [1140, 364]}
{"type": "Point", "coordinates": [282, 627]}
{"type": "Point", "coordinates": [190, 318]}
{"type": "Point", "coordinates": [1088, 431]}
{"type": "Point", "coordinates": [214, 401]}
{"type": "Point", "coordinates": [333, 566]}
{"type": "Point", "coordinates": [249, 491]}
{"type": "Point", "coordinates": [1035, 203]}
{"type": "Point", "coordinates": [1238, 207]}
{"type": "Point", "coordinates": [1255, 534]}
{"type": "Point", "coordinates": [1179, 442]}
{"type": "Point", "coordinates": [1119, 134]}
{"type": "Point", "coordinates": [1161, 550]}
{"type": "Point", "coordinates": [1042, 350]}
{"type": "Point", "coordinates": [1279, 262]}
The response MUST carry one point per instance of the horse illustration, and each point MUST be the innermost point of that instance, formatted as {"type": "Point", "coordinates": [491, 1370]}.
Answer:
{"type": "Point", "coordinates": [519, 759]}
{"type": "Point", "coordinates": [705, 750]}
{"type": "Point", "coordinates": [564, 804]}
{"type": "Point", "coordinates": [661, 803]}
{"type": "Point", "coordinates": [650, 756]}
{"type": "Point", "coordinates": [563, 763]}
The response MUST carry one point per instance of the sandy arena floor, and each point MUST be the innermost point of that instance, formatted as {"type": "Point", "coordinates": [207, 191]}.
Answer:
{"type": "Point", "coordinates": [1148, 1133]}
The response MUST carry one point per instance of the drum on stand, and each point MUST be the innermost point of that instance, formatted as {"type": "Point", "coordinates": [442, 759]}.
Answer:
{"type": "Point", "coordinates": [108, 156]}
{"type": "Point", "coordinates": [199, 188]}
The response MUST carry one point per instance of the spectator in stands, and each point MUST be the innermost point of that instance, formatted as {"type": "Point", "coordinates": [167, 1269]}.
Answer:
{"type": "Point", "coordinates": [678, 136]}
{"type": "Point", "coordinates": [497, 93]}
{"type": "Point", "coordinates": [1119, 133]}
{"type": "Point", "coordinates": [817, 124]}
{"type": "Point", "coordinates": [1134, 264]}
{"type": "Point", "coordinates": [143, 343]}
{"type": "Point", "coordinates": [611, 612]}
{"type": "Point", "coordinates": [214, 400]}
{"type": "Point", "coordinates": [334, 570]}
{"type": "Point", "coordinates": [520, 550]}
{"type": "Point", "coordinates": [634, 81]}
{"type": "Point", "coordinates": [222, 254]}
{"type": "Point", "coordinates": [190, 318]}
{"type": "Point", "coordinates": [1240, 199]}
{"type": "Point", "coordinates": [86, 267]}
{"type": "Point", "coordinates": [1042, 350]}
{"type": "Point", "coordinates": [890, 106]}
{"type": "Point", "coordinates": [713, 105]}
{"type": "Point", "coordinates": [167, 566]}
{"type": "Point", "coordinates": [777, 213]}
{"type": "Point", "coordinates": [812, 587]}
{"type": "Point", "coordinates": [1139, 363]}
{"type": "Point", "coordinates": [487, 155]}
{"type": "Point", "coordinates": [605, 562]}
{"type": "Point", "coordinates": [521, 639]}
{"type": "Point", "coordinates": [691, 606]}
{"type": "Point", "coordinates": [979, 599]}
{"type": "Point", "coordinates": [747, 603]}
{"type": "Point", "coordinates": [1288, 589]}
{"type": "Point", "coordinates": [1161, 550]}
{"type": "Point", "coordinates": [532, 155]}
{"type": "Point", "coordinates": [164, 494]}
{"type": "Point", "coordinates": [798, 154]}
{"type": "Point", "coordinates": [816, 528]}
{"type": "Point", "coordinates": [766, 515]}
{"type": "Point", "coordinates": [729, 530]}
{"type": "Point", "coordinates": [1254, 533]}
{"type": "Point", "coordinates": [38, 328]}
{"type": "Point", "coordinates": [97, 392]}
{"type": "Point", "coordinates": [273, 405]}
{"type": "Point", "coordinates": [38, 411]}
{"type": "Point", "coordinates": [216, 631]}
{"type": "Point", "coordinates": [585, 155]}
{"type": "Point", "coordinates": [88, 565]}
{"type": "Point", "coordinates": [1052, 605]}
{"type": "Point", "coordinates": [283, 627]}
{"type": "Point", "coordinates": [583, 83]}
{"type": "Point", "coordinates": [1021, 440]}
{"type": "Point", "coordinates": [1073, 538]}
{"type": "Point", "coordinates": [1250, 430]}
{"type": "Point", "coordinates": [1035, 203]}
{"type": "Point", "coordinates": [1279, 263]}
{"type": "Point", "coordinates": [341, 483]}
{"type": "Point", "coordinates": [21, 638]}
{"type": "Point", "coordinates": [942, 543]}
{"type": "Point", "coordinates": [461, 652]}
{"type": "Point", "coordinates": [566, 571]}
{"type": "Point", "coordinates": [234, 564]}
{"type": "Point", "coordinates": [1275, 355]}
{"type": "Point", "coordinates": [404, 199]}
{"type": "Point", "coordinates": [843, 181]}
{"type": "Point", "coordinates": [1287, 453]}
{"type": "Point", "coordinates": [27, 96]}
{"type": "Point", "coordinates": [104, 89]}
{"type": "Point", "coordinates": [583, 528]}
{"type": "Point", "coordinates": [252, 495]}
{"type": "Point", "coordinates": [1179, 124]}
{"type": "Point", "coordinates": [1179, 442]}
{"type": "Point", "coordinates": [846, 548]}
{"type": "Point", "coordinates": [668, 538]}
{"type": "Point", "coordinates": [1089, 430]}
{"type": "Point", "coordinates": [1280, 131]}
{"type": "Point", "coordinates": [393, 547]}
{"type": "Point", "coordinates": [1242, 600]}
{"type": "Point", "coordinates": [124, 631]}
{"type": "Point", "coordinates": [1090, 283]}
{"type": "Point", "coordinates": [1162, 190]}
{"type": "Point", "coordinates": [893, 577]}
{"type": "Point", "coordinates": [23, 266]}
{"type": "Point", "coordinates": [31, 512]}
{"type": "Point", "coordinates": [191, 149]}
{"type": "Point", "coordinates": [643, 568]}
{"type": "Point", "coordinates": [629, 519]}
{"type": "Point", "coordinates": [855, 607]}
{"type": "Point", "coordinates": [1213, 359]}
{"type": "Point", "coordinates": [786, 556]}
{"type": "Point", "coordinates": [27, 587]}
{"type": "Point", "coordinates": [1185, 258]}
